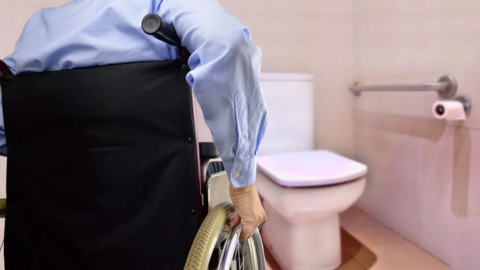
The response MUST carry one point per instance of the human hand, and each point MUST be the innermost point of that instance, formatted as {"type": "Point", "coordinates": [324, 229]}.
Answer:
{"type": "Point", "coordinates": [249, 209]}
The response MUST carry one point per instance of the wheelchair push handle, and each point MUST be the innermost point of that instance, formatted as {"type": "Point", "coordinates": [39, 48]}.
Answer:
{"type": "Point", "coordinates": [154, 25]}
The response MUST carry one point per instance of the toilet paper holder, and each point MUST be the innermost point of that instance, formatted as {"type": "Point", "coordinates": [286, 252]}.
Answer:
{"type": "Point", "coordinates": [439, 108]}
{"type": "Point", "coordinates": [467, 103]}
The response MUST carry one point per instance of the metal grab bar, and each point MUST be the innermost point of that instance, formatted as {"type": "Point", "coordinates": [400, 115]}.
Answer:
{"type": "Point", "coordinates": [446, 87]}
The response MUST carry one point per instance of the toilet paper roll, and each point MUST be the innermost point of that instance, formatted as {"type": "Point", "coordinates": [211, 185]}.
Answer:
{"type": "Point", "coordinates": [449, 110]}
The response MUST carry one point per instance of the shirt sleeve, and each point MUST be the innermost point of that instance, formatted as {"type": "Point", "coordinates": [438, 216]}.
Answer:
{"type": "Point", "coordinates": [3, 143]}
{"type": "Point", "coordinates": [225, 68]}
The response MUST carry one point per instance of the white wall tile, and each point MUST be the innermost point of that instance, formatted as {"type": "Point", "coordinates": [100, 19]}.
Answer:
{"type": "Point", "coordinates": [439, 227]}
{"type": "Point", "coordinates": [438, 161]}
{"type": "Point", "coordinates": [403, 212]}
{"type": "Point", "coordinates": [474, 176]}
{"type": "Point", "coordinates": [470, 245]}
{"type": "Point", "coordinates": [398, 41]}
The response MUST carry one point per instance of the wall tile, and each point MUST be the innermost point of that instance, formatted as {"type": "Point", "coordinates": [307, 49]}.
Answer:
{"type": "Point", "coordinates": [462, 178]}
{"type": "Point", "coordinates": [399, 155]}
{"type": "Point", "coordinates": [438, 161]}
{"type": "Point", "coordinates": [443, 198]}
{"type": "Point", "coordinates": [403, 212]}
{"type": "Point", "coordinates": [438, 227]}
{"type": "Point", "coordinates": [400, 42]}
{"type": "Point", "coordinates": [450, 198]}
{"type": "Point", "coordinates": [470, 245]}
{"type": "Point", "coordinates": [375, 197]}
{"type": "Point", "coordinates": [406, 42]}
{"type": "Point", "coordinates": [474, 176]}
{"type": "Point", "coordinates": [393, 184]}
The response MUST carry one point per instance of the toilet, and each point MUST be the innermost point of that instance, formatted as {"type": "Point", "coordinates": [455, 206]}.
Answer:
{"type": "Point", "coordinates": [303, 189]}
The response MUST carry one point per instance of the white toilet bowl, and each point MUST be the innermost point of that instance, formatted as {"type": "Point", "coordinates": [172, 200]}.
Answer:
{"type": "Point", "coordinates": [303, 194]}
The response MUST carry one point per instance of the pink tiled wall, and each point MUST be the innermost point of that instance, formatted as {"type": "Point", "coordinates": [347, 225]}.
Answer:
{"type": "Point", "coordinates": [424, 179]}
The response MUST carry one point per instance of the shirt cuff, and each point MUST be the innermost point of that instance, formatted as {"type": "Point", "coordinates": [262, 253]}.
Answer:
{"type": "Point", "coordinates": [241, 174]}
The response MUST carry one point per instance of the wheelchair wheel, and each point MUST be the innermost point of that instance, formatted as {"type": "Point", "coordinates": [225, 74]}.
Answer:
{"type": "Point", "coordinates": [217, 245]}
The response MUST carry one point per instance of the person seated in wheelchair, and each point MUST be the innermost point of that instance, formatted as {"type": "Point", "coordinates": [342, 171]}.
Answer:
{"type": "Point", "coordinates": [97, 129]}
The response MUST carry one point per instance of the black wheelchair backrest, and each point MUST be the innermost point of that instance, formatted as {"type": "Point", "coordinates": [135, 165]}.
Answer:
{"type": "Point", "coordinates": [102, 164]}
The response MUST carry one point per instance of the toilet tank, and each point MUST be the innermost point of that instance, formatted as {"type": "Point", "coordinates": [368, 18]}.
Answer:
{"type": "Point", "coordinates": [289, 98]}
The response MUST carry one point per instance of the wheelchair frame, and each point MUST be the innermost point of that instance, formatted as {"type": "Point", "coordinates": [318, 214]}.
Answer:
{"type": "Point", "coordinates": [153, 24]}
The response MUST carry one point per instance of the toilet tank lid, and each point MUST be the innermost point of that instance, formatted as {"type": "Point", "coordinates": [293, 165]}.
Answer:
{"type": "Point", "coordinates": [310, 168]}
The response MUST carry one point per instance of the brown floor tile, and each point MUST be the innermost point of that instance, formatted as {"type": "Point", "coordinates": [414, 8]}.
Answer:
{"type": "Point", "coordinates": [351, 265]}
{"type": "Point", "coordinates": [348, 263]}
{"type": "Point", "coordinates": [361, 254]}
{"type": "Point", "coordinates": [352, 252]}
{"type": "Point", "coordinates": [392, 251]}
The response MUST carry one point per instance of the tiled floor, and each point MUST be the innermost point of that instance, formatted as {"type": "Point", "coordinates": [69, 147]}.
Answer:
{"type": "Point", "coordinates": [354, 255]}
{"type": "Point", "coordinates": [391, 250]}
{"type": "Point", "coordinates": [368, 245]}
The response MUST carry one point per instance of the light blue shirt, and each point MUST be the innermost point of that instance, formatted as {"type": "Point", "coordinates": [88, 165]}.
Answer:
{"type": "Point", "coordinates": [225, 64]}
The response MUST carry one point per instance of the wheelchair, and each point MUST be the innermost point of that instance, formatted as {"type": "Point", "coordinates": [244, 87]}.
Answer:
{"type": "Point", "coordinates": [105, 128]}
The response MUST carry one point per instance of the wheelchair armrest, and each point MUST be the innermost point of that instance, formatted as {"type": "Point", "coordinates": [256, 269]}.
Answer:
{"type": "Point", "coordinates": [208, 150]}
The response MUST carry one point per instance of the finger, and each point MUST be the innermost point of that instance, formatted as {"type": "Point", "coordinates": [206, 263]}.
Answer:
{"type": "Point", "coordinates": [235, 220]}
{"type": "Point", "coordinates": [247, 232]}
